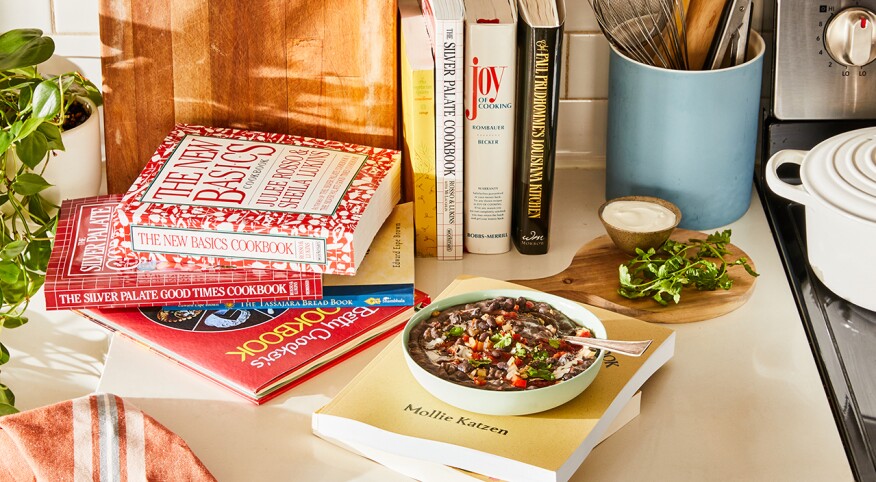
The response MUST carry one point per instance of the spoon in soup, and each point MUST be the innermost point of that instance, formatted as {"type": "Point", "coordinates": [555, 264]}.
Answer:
{"type": "Point", "coordinates": [629, 348]}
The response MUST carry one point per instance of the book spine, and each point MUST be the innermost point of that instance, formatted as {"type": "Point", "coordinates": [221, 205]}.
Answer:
{"type": "Point", "coordinates": [540, 54]}
{"type": "Point", "coordinates": [348, 297]}
{"type": "Point", "coordinates": [230, 244]}
{"type": "Point", "coordinates": [173, 290]}
{"type": "Point", "coordinates": [448, 137]}
{"type": "Point", "coordinates": [418, 128]}
{"type": "Point", "coordinates": [490, 98]}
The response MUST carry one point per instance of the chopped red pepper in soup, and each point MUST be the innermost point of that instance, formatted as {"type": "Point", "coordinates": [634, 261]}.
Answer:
{"type": "Point", "coordinates": [500, 344]}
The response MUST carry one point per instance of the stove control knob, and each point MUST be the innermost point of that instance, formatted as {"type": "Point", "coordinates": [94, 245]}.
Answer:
{"type": "Point", "coordinates": [850, 36]}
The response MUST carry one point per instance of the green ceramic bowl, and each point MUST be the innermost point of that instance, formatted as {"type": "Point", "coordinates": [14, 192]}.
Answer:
{"type": "Point", "coordinates": [507, 402]}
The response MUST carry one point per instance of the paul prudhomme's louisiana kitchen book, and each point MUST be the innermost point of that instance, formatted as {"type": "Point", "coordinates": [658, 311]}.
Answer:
{"type": "Point", "coordinates": [88, 268]}
{"type": "Point", "coordinates": [248, 198]}
{"type": "Point", "coordinates": [257, 353]}
{"type": "Point", "coordinates": [539, 45]}
{"type": "Point", "coordinates": [546, 446]}
{"type": "Point", "coordinates": [385, 278]}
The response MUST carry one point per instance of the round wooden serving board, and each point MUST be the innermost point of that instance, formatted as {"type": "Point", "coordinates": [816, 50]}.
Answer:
{"type": "Point", "coordinates": [592, 278]}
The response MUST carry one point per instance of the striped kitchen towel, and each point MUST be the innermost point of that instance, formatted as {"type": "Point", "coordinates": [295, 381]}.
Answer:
{"type": "Point", "coordinates": [95, 438]}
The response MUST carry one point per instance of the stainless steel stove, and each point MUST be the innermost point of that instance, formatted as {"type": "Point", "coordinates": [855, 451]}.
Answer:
{"type": "Point", "coordinates": [842, 335]}
{"type": "Point", "coordinates": [815, 90]}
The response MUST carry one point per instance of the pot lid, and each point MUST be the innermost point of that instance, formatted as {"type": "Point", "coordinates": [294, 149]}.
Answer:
{"type": "Point", "coordinates": [841, 171]}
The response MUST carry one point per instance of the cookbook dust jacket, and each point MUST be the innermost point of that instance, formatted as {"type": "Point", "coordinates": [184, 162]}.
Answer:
{"type": "Point", "coordinates": [89, 268]}
{"type": "Point", "coordinates": [548, 446]}
{"type": "Point", "coordinates": [261, 199]}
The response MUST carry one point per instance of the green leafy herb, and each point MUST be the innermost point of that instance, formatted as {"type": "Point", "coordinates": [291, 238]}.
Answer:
{"type": "Point", "coordinates": [554, 342]}
{"type": "Point", "coordinates": [456, 331]}
{"type": "Point", "coordinates": [519, 350]}
{"type": "Point", "coordinates": [478, 363]}
{"type": "Point", "coordinates": [542, 373]}
{"type": "Point", "coordinates": [502, 341]}
{"type": "Point", "coordinates": [661, 275]}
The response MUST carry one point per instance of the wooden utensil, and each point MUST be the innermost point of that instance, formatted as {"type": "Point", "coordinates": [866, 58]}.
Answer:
{"type": "Point", "coordinates": [592, 278]}
{"type": "Point", "coordinates": [318, 69]}
{"type": "Point", "coordinates": [701, 21]}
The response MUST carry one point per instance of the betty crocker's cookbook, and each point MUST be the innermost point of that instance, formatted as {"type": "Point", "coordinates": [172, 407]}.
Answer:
{"type": "Point", "coordinates": [257, 199]}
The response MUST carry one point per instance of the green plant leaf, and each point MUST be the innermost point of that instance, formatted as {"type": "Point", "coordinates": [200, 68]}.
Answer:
{"type": "Point", "coordinates": [32, 150]}
{"type": "Point", "coordinates": [4, 356]}
{"type": "Point", "coordinates": [6, 395]}
{"type": "Point", "coordinates": [47, 99]}
{"type": "Point", "coordinates": [9, 274]}
{"type": "Point", "coordinates": [53, 135]}
{"type": "Point", "coordinates": [13, 321]}
{"type": "Point", "coordinates": [37, 255]}
{"type": "Point", "coordinates": [29, 183]}
{"type": "Point", "coordinates": [13, 249]}
{"type": "Point", "coordinates": [7, 409]}
{"type": "Point", "coordinates": [5, 141]}
{"type": "Point", "coordinates": [24, 47]}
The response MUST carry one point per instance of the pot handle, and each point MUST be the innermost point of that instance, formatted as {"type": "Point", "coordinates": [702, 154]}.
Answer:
{"type": "Point", "coordinates": [788, 191]}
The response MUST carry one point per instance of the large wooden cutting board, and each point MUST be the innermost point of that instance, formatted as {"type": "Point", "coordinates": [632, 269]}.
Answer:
{"type": "Point", "coordinates": [323, 68]}
{"type": "Point", "coordinates": [592, 278]}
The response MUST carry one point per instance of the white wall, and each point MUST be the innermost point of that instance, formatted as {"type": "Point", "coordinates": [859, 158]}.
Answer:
{"type": "Point", "coordinates": [74, 26]}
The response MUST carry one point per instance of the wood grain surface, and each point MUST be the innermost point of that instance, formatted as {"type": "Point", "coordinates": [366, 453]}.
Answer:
{"type": "Point", "coordinates": [702, 22]}
{"type": "Point", "coordinates": [592, 278]}
{"type": "Point", "coordinates": [323, 69]}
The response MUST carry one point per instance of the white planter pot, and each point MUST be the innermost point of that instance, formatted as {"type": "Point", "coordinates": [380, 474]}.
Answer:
{"type": "Point", "coordinates": [76, 171]}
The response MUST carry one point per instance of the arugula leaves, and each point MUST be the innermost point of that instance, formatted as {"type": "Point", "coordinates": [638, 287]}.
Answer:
{"type": "Point", "coordinates": [661, 275]}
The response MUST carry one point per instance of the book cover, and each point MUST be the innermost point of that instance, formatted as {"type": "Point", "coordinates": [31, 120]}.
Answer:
{"type": "Point", "coordinates": [539, 48]}
{"type": "Point", "coordinates": [385, 278]}
{"type": "Point", "coordinates": [420, 469]}
{"type": "Point", "coordinates": [88, 268]}
{"type": "Point", "coordinates": [547, 446]}
{"type": "Point", "coordinates": [444, 22]}
{"type": "Point", "coordinates": [490, 98]}
{"type": "Point", "coordinates": [417, 70]}
{"type": "Point", "coordinates": [260, 199]}
{"type": "Point", "coordinates": [256, 353]}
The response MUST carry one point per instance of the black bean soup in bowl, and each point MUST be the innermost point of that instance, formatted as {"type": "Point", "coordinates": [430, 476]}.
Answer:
{"type": "Point", "coordinates": [488, 346]}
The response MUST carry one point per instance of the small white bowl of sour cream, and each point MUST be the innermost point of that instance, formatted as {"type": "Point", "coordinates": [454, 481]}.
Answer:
{"type": "Point", "coordinates": [639, 221]}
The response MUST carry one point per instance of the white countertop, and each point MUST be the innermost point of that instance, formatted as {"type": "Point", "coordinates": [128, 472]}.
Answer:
{"type": "Point", "coordinates": [741, 399]}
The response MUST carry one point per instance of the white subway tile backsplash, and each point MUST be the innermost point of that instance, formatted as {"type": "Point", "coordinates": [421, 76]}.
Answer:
{"type": "Point", "coordinates": [588, 66]}
{"type": "Point", "coordinates": [77, 45]}
{"type": "Point", "coordinates": [31, 14]}
{"type": "Point", "coordinates": [75, 16]}
{"type": "Point", "coordinates": [581, 127]}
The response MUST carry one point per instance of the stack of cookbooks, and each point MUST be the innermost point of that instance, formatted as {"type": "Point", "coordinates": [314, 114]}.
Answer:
{"type": "Point", "coordinates": [242, 255]}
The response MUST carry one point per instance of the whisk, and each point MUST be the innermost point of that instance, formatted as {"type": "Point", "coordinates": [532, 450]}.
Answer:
{"type": "Point", "coordinates": [649, 31]}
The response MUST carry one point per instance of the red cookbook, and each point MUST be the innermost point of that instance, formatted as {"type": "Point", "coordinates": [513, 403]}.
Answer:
{"type": "Point", "coordinates": [89, 268]}
{"type": "Point", "coordinates": [259, 199]}
{"type": "Point", "coordinates": [257, 353]}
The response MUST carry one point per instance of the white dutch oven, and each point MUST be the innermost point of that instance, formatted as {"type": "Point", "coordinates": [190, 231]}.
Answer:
{"type": "Point", "coordinates": [839, 193]}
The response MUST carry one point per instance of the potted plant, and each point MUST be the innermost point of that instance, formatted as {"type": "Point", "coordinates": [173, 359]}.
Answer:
{"type": "Point", "coordinates": [35, 110]}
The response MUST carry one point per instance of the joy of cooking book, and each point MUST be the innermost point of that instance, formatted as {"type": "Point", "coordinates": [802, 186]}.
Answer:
{"type": "Point", "coordinates": [88, 268]}
{"type": "Point", "coordinates": [259, 199]}
{"type": "Point", "coordinates": [545, 446]}
{"type": "Point", "coordinates": [256, 353]}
